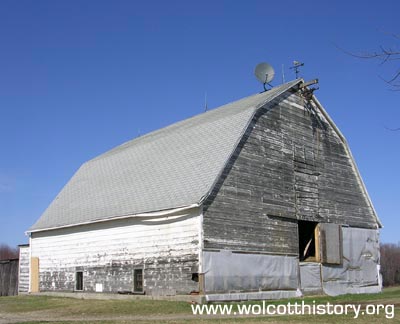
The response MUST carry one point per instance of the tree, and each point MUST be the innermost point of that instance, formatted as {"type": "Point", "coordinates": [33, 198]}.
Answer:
{"type": "Point", "coordinates": [385, 55]}
{"type": "Point", "coordinates": [390, 264]}
{"type": "Point", "coordinates": [7, 252]}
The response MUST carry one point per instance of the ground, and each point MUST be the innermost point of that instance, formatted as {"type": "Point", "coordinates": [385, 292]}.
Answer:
{"type": "Point", "coordinates": [44, 309]}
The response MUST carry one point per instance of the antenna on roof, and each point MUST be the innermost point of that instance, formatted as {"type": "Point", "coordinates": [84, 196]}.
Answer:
{"type": "Point", "coordinates": [283, 74]}
{"type": "Point", "coordinates": [296, 66]}
{"type": "Point", "coordinates": [205, 102]}
{"type": "Point", "coordinates": [264, 73]}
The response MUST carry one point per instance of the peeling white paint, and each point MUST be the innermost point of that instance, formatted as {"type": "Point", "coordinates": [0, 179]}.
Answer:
{"type": "Point", "coordinates": [123, 240]}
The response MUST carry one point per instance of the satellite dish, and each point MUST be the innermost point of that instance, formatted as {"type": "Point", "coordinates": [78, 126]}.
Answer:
{"type": "Point", "coordinates": [264, 73]}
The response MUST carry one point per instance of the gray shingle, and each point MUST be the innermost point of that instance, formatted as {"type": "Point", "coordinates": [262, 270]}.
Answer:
{"type": "Point", "coordinates": [173, 167]}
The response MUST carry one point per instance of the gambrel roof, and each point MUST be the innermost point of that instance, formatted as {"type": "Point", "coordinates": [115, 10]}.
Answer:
{"type": "Point", "coordinates": [168, 168]}
{"type": "Point", "coordinates": [173, 167]}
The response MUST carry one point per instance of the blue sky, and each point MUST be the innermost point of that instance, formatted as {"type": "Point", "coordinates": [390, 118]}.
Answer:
{"type": "Point", "coordinates": [80, 77]}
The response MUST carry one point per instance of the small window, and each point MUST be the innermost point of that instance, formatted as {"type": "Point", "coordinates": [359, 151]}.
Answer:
{"type": "Point", "coordinates": [307, 241]}
{"type": "Point", "coordinates": [79, 280]}
{"type": "Point", "coordinates": [138, 280]}
{"type": "Point", "coordinates": [195, 276]}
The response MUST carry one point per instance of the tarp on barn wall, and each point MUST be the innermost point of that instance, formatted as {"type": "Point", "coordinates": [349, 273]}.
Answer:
{"type": "Point", "coordinates": [359, 272]}
{"type": "Point", "coordinates": [310, 277]}
{"type": "Point", "coordinates": [259, 295]}
{"type": "Point", "coordinates": [227, 272]}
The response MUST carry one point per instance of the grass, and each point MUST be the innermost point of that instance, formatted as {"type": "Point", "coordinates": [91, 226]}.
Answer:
{"type": "Point", "coordinates": [45, 309]}
{"type": "Point", "coordinates": [73, 306]}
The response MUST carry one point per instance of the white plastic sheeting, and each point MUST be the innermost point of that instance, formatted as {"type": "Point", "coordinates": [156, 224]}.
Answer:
{"type": "Point", "coordinates": [234, 272]}
{"type": "Point", "coordinates": [259, 295]}
{"type": "Point", "coordinates": [310, 277]}
{"type": "Point", "coordinates": [241, 276]}
{"type": "Point", "coordinates": [359, 272]}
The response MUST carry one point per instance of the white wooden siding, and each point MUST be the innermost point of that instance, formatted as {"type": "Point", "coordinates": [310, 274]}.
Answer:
{"type": "Point", "coordinates": [117, 241]}
{"type": "Point", "coordinates": [23, 278]}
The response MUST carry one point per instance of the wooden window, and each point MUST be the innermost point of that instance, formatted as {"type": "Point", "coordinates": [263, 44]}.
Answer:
{"type": "Point", "coordinates": [195, 276]}
{"type": "Point", "coordinates": [138, 280]}
{"type": "Point", "coordinates": [79, 281]}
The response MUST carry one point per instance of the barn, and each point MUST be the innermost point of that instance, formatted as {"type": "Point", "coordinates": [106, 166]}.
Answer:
{"type": "Point", "coordinates": [257, 199]}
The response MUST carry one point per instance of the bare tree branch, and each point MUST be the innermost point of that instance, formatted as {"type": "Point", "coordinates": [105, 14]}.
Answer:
{"type": "Point", "coordinates": [384, 55]}
{"type": "Point", "coordinates": [395, 77]}
{"type": "Point", "coordinates": [390, 263]}
{"type": "Point", "coordinates": [393, 129]}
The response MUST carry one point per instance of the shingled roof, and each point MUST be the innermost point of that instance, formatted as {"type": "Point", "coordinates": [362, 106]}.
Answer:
{"type": "Point", "coordinates": [169, 168]}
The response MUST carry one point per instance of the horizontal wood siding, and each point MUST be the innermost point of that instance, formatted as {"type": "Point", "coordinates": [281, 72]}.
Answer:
{"type": "Point", "coordinates": [23, 279]}
{"type": "Point", "coordinates": [166, 248]}
{"type": "Point", "coordinates": [289, 165]}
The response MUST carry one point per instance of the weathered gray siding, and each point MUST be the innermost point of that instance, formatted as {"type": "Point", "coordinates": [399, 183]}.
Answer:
{"type": "Point", "coordinates": [23, 279]}
{"type": "Point", "coordinates": [290, 165]}
{"type": "Point", "coordinates": [166, 248]}
{"type": "Point", "coordinates": [9, 277]}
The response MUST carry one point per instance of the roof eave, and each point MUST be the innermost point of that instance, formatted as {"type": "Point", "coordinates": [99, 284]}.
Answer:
{"type": "Point", "coordinates": [159, 213]}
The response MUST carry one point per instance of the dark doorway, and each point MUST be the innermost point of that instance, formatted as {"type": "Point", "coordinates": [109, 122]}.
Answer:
{"type": "Point", "coordinates": [79, 280]}
{"type": "Point", "coordinates": [138, 280]}
{"type": "Point", "coordinates": [307, 240]}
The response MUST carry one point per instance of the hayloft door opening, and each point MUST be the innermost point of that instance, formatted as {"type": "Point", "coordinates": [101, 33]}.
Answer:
{"type": "Point", "coordinates": [307, 241]}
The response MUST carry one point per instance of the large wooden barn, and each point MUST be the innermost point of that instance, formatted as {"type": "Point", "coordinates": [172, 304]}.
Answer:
{"type": "Point", "coordinates": [259, 198]}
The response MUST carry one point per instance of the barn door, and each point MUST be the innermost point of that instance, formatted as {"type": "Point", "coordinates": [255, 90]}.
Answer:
{"type": "Point", "coordinates": [34, 275]}
{"type": "Point", "coordinates": [329, 243]}
{"type": "Point", "coordinates": [318, 244]}
{"type": "Point", "coordinates": [310, 277]}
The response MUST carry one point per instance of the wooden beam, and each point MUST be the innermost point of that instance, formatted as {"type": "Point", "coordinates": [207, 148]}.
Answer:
{"type": "Point", "coordinates": [34, 275]}
{"type": "Point", "coordinates": [317, 243]}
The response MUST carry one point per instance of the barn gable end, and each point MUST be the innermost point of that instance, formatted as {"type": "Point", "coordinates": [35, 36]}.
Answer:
{"type": "Point", "coordinates": [290, 164]}
{"type": "Point", "coordinates": [290, 172]}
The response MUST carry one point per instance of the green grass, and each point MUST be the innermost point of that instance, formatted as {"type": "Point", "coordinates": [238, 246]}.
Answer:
{"type": "Point", "coordinates": [388, 294]}
{"type": "Point", "coordinates": [308, 319]}
{"type": "Point", "coordinates": [73, 306]}
{"type": "Point", "coordinates": [64, 310]}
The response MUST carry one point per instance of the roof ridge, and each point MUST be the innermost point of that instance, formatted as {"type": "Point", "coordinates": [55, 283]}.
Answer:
{"type": "Point", "coordinates": [179, 123]}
